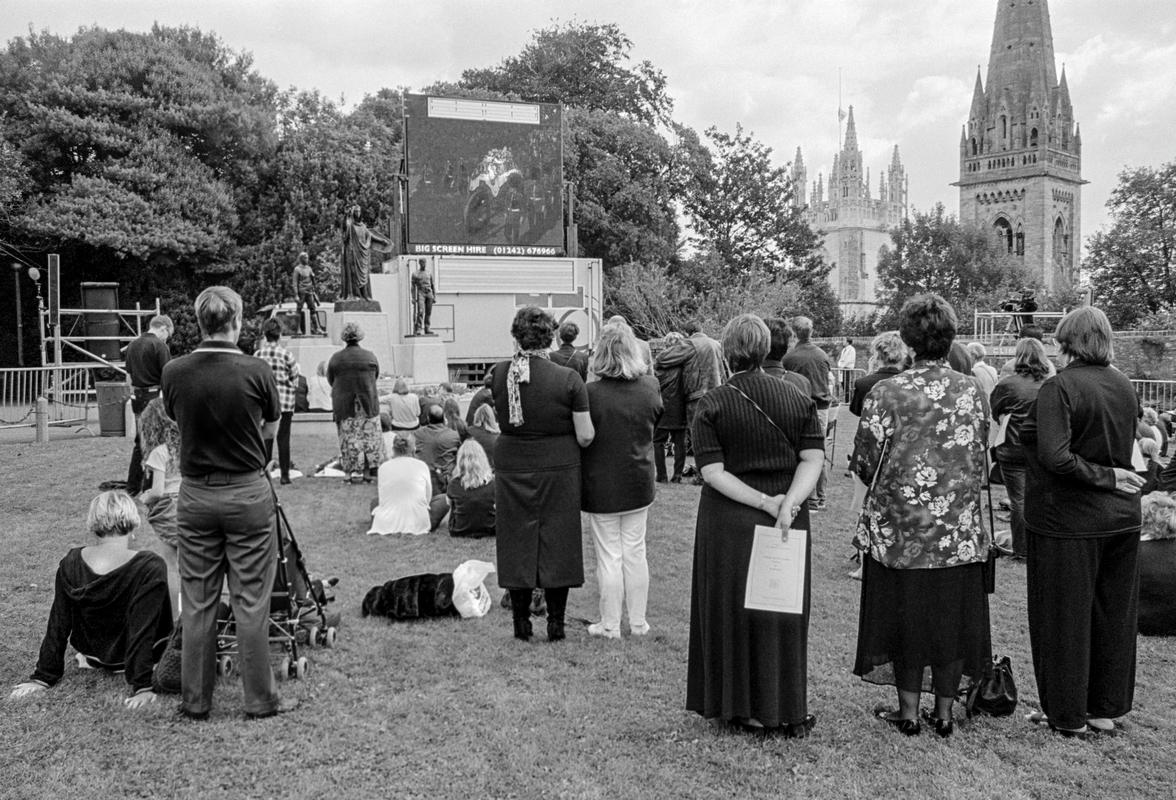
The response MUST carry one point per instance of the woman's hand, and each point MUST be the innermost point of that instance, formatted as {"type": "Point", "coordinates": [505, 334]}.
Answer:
{"type": "Point", "coordinates": [141, 699]}
{"type": "Point", "coordinates": [1127, 481]}
{"type": "Point", "coordinates": [771, 505]}
{"type": "Point", "coordinates": [25, 689]}
{"type": "Point", "coordinates": [789, 508]}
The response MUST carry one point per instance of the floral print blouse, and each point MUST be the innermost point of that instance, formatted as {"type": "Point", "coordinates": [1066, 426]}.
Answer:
{"type": "Point", "coordinates": [924, 433]}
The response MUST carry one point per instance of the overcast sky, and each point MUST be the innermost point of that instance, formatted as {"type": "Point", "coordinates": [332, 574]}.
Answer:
{"type": "Point", "coordinates": [907, 66]}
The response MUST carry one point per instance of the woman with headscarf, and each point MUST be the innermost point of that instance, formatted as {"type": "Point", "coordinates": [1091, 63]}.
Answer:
{"type": "Point", "coordinates": [352, 373]}
{"type": "Point", "coordinates": [543, 413]}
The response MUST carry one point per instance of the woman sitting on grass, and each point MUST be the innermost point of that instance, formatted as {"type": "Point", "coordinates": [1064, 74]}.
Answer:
{"type": "Point", "coordinates": [161, 443]}
{"type": "Point", "coordinates": [405, 490]}
{"type": "Point", "coordinates": [470, 493]}
{"type": "Point", "coordinates": [110, 602]}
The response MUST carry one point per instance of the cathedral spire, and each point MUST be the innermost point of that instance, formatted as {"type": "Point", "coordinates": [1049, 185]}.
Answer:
{"type": "Point", "coordinates": [851, 142]}
{"type": "Point", "coordinates": [977, 112]}
{"type": "Point", "coordinates": [1022, 45]}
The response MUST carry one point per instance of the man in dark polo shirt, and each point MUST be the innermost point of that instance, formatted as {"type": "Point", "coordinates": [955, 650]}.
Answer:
{"type": "Point", "coordinates": [781, 335]}
{"type": "Point", "coordinates": [226, 404]}
{"type": "Point", "coordinates": [813, 363]}
{"type": "Point", "coordinates": [145, 359]}
{"type": "Point", "coordinates": [567, 355]}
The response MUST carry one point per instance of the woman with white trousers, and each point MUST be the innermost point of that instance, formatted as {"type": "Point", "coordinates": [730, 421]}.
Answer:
{"type": "Point", "coordinates": [618, 477]}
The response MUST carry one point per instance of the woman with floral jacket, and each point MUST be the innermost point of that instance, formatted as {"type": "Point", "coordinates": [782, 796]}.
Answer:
{"type": "Point", "coordinates": [920, 447]}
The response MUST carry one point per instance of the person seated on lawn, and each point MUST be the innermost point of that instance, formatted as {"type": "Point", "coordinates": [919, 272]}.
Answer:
{"type": "Point", "coordinates": [437, 446]}
{"type": "Point", "coordinates": [405, 489]}
{"type": "Point", "coordinates": [404, 406]}
{"type": "Point", "coordinates": [481, 397]}
{"type": "Point", "coordinates": [318, 390]}
{"type": "Point", "coordinates": [453, 420]}
{"type": "Point", "coordinates": [110, 602]}
{"type": "Point", "coordinates": [1157, 566]}
{"type": "Point", "coordinates": [485, 430]}
{"type": "Point", "coordinates": [470, 495]}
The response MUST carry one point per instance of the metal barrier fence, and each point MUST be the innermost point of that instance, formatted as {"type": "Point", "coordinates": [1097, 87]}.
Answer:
{"type": "Point", "coordinates": [1160, 395]}
{"type": "Point", "coordinates": [844, 382]}
{"type": "Point", "coordinates": [69, 391]}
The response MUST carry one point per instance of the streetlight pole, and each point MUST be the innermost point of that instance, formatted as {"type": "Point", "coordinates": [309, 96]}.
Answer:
{"type": "Point", "coordinates": [16, 268]}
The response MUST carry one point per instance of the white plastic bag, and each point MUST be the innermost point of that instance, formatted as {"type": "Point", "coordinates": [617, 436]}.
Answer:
{"type": "Point", "coordinates": [470, 596]}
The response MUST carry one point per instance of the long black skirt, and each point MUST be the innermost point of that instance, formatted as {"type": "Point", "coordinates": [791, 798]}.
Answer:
{"type": "Point", "coordinates": [742, 664]}
{"type": "Point", "coordinates": [922, 618]}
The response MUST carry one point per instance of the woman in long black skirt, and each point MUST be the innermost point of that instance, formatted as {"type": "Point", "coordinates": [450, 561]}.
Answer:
{"type": "Point", "coordinates": [543, 410]}
{"type": "Point", "coordinates": [759, 445]}
{"type": "Point", "coordinates": [920, 447]}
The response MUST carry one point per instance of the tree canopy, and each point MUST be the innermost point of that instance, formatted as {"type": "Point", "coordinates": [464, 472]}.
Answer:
{"type": "Point", "coordinates": [933, 252]}
{"type": "Point", "coordinates": [1132, 265]}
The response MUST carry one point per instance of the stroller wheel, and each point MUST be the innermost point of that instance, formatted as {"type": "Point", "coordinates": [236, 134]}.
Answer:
{"type": "Point", "coordinates": [283, 669]}
{"type": "Point", "coordinates": [224, 666]}
{"type": "Point", "coordinates": [312, 636]}
{"type": "Point", "coordinates": [301, 667]}
{"type": "Point", "coordinates": [329, 637]}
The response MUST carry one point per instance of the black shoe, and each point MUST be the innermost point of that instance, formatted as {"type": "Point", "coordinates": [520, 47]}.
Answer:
{"type": "Point", "coordinates": [195, 716]}
{"type": "Point", "coordinates": [284, 706]}
{"type": "Point", "coordinates": [942, 727]}
{"type": "Point", "coordinates": [661, 479]}
{"type": "Point", "coordinates": [285, 481]}
{"type": "Point", "coordinates": [799, 730]}
{"type": "Point", "coordinates": [907, 727]}
{"type": "Point", "coordinates": [522, 628]}
{"type": "Point", "coordinates": [555, 630]}
{"type": "Point", "coordinates": [677, 478]}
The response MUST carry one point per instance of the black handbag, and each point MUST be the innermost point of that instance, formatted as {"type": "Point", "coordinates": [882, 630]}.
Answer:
{"type": "Point", "coordinates": [995, 477]}
{"type": "Point", "coordinates": [995, 693]}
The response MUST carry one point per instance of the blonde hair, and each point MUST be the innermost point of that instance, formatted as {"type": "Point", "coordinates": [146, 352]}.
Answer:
{"type": "Point", "coordinates": [403, 444]}
{"type": "Point", "coordinates": [887, 349]}
{"type": "Point", "coordinates": [112, 513]}
{"type": "Point", "coordinates": [472, 467]}
{"type": "Point", "coordinates": [747, 340]}
{"type": "Point", "coordinates": [486, 419]}
{"type": "Point", "coordinates": [617, 355]}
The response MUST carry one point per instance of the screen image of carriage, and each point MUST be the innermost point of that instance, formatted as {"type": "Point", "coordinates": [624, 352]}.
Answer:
{"type": "Point", "coordinates": [484, 178]}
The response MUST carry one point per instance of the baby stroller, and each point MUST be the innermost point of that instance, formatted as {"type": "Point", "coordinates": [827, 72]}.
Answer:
{"type": "Point", "coordinates": [297, 616]}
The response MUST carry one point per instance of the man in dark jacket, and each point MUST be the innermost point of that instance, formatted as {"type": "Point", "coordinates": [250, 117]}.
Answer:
{"type": "Point", "coordinates": [567, 355]}
{"type": "Point", "coordinates": [781, 336]}
{"type": "Point", "coordinates": [671, 426]}
{"type": "Point", "coordinates": [437, 445]}
{"type": "Point", "coordinates": [145, 360]}
{"type": "Point", "coordinates": [813, 363]}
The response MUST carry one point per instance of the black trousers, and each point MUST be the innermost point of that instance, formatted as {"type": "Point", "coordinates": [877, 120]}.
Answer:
{"type": "Point", "coordinates": [1083, 599]}
{"type": "Point", "coordinates": [678, 439]}
{"type": "Point", "coordinates": [283, 438]}
{"type": "Point", "coordinates": [135, 475]}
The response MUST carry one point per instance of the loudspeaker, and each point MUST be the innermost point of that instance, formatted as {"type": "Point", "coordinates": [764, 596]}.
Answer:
{"type": "Point", "coordinates": [100, 300]}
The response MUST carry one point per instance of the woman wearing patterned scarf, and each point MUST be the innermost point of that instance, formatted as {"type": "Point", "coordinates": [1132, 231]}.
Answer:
{"type": "Point", "coordinates": [543, 410]}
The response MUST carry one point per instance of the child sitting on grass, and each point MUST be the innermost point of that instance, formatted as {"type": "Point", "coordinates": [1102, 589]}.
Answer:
{"type": "Point", "coordinates": [161, 442]}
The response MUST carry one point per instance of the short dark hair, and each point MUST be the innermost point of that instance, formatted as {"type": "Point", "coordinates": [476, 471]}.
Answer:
{"type": "Point", "coordinates": [781, 336]}
{"type": "Point", "coordinates": [533, 328]}
{"type": "Point", "coordinates": [1032, 331]}
{"type": "Point", "coordinates": [436, 414]}
{"type": "Point", "coordinates": [690, 327]}
{"type": "Point", "coordinates": [928, 323]}
{"type": "Point", "coordinates": [271, 329]}
{"type": "Point", "coordinates": [568, 332]}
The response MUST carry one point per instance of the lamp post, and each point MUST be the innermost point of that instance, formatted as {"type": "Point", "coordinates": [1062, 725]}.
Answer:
{"type": "Point", "coordinates": [16, 298]}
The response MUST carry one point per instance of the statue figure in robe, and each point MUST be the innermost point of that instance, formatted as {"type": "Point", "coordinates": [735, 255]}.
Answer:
{"type": "Point", "coordinates": [356, 262]}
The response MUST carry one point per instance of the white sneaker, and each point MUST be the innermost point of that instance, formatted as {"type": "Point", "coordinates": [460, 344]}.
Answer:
{"type": "Point", "coordinates": [598, 629]}
{"type": "Point", "coordinates": [639, 630]}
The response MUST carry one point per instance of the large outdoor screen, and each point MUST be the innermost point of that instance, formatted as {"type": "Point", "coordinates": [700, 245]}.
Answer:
{"type": "Point", "coordinates": [484, 178]}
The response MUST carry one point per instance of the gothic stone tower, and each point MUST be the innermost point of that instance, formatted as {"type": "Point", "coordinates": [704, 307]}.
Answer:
{"type": "Point", "coordinates": [1021, 152]}
{"type": "Point", "coordinates": [854, 224]}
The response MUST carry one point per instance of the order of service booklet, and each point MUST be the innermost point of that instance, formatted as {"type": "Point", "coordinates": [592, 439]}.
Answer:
{"type": "Point", "coordinates": [775, 574]}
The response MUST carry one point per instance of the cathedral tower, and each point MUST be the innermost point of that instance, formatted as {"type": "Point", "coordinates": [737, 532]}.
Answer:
{"type": "Point", "coordinates": [1020, 151]}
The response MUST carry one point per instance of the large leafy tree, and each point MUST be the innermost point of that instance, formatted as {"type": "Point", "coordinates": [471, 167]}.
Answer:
{"type": "Point", "coordinates": [583, 65]}
{"type": "Point", "coordinates": [1132, 265]}
{"type": "Point", "coordinates": [932, 252]}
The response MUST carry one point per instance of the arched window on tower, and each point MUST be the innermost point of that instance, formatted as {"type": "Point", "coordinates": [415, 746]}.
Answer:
{"type": "Point", "coordinates": [973, 145]}
{"type": "Point", "coordinates": [1019, 241]}
{"type": "Point", "coordinates": [1061, 245]}
{"type": "Point", "coordinates": [1004, 129]}
{"type": "Point", "coordinates": [1004, 233]}
{"type": "Point", "coordinates": [1033, 138]}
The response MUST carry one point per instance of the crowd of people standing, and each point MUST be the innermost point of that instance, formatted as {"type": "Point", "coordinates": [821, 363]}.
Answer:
{"type": "Point", "coordinates": [557, 441]}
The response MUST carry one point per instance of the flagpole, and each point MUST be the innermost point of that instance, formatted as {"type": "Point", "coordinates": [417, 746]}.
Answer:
{"type": "Point", "coordinates": [840, 113]}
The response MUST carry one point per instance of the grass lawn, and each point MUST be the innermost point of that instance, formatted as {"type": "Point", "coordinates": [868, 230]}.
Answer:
{"type": "Point", "coordinates": [458, 708]}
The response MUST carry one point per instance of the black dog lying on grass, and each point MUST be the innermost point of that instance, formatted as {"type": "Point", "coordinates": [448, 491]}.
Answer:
{"type": "Point", "coordinates": [412, 597]}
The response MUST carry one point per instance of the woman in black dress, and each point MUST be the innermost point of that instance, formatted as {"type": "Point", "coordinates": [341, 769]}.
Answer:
{"type": "Point", "coordinates": [1082, 531]}
{"type": "Point", "coordinates": [543, 412]}
{"type": "Point", "coordinates": [760, 446]}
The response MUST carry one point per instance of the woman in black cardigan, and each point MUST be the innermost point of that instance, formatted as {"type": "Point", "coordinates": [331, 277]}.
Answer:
{"type": "Point", "coordinates": [1082, 523]}
{"type": "Point", "coordinates": [352, 373]}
